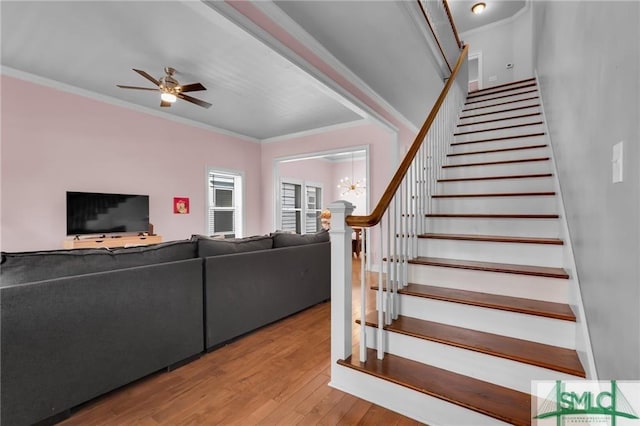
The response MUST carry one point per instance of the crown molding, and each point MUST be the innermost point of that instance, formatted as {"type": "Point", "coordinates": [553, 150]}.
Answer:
{"type": "Point", "coordinates": [43, 81]}
{"type": "Point", "coordinates": [316, 131]}
{"type": "Point", "coordinates": [493, 25]}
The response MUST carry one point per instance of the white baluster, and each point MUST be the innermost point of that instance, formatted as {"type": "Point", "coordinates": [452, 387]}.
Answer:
{"type": "Point", "coordinates": [380, 303]}
{"type": "Point", "coordinates": [388, 288]}
{"type": "Point", "coordinates": [396, 255]}
{"type": "Point", "coordinates": [363, 295]}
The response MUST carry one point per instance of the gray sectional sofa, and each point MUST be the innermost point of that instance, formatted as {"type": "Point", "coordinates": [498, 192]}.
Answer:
{"type": "Point", "coordinates": [249, 288]}
{"type": "Point", "coordinates": [75, 324]}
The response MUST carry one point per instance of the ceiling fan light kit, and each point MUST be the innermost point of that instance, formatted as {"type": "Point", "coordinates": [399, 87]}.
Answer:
{"type": "Point", "coordinates": [168, 97]}
{"type": "Point", "coordinates": [170, 89]}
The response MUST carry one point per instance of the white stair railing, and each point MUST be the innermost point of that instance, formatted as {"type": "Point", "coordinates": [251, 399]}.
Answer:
{"type": "Point", "coordinates": [390, 233]}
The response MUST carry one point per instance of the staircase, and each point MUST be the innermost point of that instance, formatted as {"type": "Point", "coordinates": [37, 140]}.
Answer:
{"type": "Point", "coordinates": [487, 307]}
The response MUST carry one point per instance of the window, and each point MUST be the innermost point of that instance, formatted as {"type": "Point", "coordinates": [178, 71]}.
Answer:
{"type": "Point", "coordinates": [301, 204]}
{"type": "Point", "coordinates": [224, 216]}
{"type": "Point", "coordinates": [314, 204]}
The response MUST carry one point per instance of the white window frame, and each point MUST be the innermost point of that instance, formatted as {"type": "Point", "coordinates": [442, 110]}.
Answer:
{"type": "Point", "coordinates": [303, 209]}
{"type": "Point", "coordinates": [238, 200]}
{"type": "Point", "coordinates": [317, 210]}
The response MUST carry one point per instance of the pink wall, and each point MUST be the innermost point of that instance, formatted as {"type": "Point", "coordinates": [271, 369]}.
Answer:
{"type": "Point", "coordinates": [313, 170]}
{"type": "Point", "coordinates": [379, 140]}
{"type": "Point", "coordinates": [53, 141]}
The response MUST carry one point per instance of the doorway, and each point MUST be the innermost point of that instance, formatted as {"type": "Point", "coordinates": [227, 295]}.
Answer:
{"type": "Point", "coordinates": [326, 174]}
{"type": "Point", "coordinates": [475, 71]}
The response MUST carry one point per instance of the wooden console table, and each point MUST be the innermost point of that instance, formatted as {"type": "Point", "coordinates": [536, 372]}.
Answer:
{"type": "Point", "coordinates": [111, 242]}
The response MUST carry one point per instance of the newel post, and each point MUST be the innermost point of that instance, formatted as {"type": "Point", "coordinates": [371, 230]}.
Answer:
{"type": "Point", "coordinates": [341, 316]}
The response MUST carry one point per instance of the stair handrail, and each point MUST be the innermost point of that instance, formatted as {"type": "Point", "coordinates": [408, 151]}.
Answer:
{"type": "Point", "coordinates": [453, 24]}
{"type": "Point", "coordinates": [437, 40]}
{"type": "Point", "coordinates": [367, 221]}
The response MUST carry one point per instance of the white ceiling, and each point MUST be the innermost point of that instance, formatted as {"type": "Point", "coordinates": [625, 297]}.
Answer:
{"type": "Point", "coordinates": [381, 43]}
{"type": "Point", "coordinates": [92, 45]}
{"type": "Point", "coordinates": [496, 10]}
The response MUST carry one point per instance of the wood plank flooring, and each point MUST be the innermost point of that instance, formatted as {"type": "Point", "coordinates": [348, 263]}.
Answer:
{"type": "Point", "coordinates": [276, 375]}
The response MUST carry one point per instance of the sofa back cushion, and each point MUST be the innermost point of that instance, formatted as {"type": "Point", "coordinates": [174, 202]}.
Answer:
{"type": "Point", "coordinates": [208, 246]}
{"type": "Point", "coordinates": [284, 239]}
{"type": "Point", "coordinates": [18, 268]}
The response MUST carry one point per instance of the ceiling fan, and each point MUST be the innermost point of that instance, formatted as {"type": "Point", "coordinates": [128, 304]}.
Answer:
{"type": "Point", "coordinates": [170, 89]}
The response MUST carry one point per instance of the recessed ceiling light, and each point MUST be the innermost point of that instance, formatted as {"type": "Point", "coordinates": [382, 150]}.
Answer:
{"type": "Point", "coordinates": [478, 8]}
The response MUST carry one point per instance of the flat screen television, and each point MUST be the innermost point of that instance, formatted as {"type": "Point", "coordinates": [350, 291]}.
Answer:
{"type": "Point", "coordinates": [98, 213]}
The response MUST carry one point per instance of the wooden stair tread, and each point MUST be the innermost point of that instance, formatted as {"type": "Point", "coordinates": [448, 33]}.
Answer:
{"type": "Point", "coordinates": [501, 97]}
{"type": "Point", "coordinates": [492, 400]}
{"type": "Point", "coordinates": [500, 103]}
{"type": "Point", "coordinates": [492, 216]}
{"type": "Point", "coordinates": [513, 126]}
{"type": "Point", "coordinates": [492, 151]}
{"type": "Point", "coordinates": [533, 353]}
{"type": "Point", "coordinates": [493, 238]}
{"type": "Point", "coordinates": [508, 268]}
{"type": "Point", "coordinates": [513, 83]}
{"type": "Point", "coordinates": [513, 117]}
{"type": "Point", "coordinates": [521, 305]}
{"type": "Point", "coordinates": [493, 91]}
{"type": "Point", "coordinates": [497, 194]}
{"type": "Point", "coordinates": [503, 138]}
{"type": "Point", "coordinates": [536, 175]}
{"type": "Point", "coordinates": [499, 111]}
{"type": "Point", "coordinates": [495, 163]}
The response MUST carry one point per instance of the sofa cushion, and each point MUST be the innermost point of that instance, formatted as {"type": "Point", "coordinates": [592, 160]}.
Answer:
{"type": "Point", "coordinates": [18, 268]}
{"type": "Point", "coordinates": [213, 247]}
{"type": "Point", "coordinates": [283, 239]}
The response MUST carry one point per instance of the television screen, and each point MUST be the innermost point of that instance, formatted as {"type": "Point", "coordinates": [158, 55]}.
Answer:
{"type": "Point", "coordinates": [96, 213]}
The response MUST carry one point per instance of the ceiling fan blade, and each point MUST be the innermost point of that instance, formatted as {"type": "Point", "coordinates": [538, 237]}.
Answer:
{"type": "Point", "coordinates": [137, 88]}
{"type": "Point", "coordinates": [193, 87]}
{"type": "Point", "coordinates": [165, 104]}
{"type": "Point", "coordinates": [147, 76]}
{"type": "Point", "coordinates": [193, 100]}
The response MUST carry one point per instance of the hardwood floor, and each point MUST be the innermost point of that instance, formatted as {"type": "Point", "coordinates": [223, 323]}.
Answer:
{"type": "Point", "coordinates": [277, 375]}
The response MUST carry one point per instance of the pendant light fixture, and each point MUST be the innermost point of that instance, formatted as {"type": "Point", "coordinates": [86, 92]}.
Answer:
{"type": "Point", "coordinates": [351, 185]}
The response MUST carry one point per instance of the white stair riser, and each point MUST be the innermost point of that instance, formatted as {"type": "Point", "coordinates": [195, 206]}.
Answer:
{"type": "Point", "coordinates": [496, 106]}
{"type": "Point", "coordinates": [513, 131]}
{"type": "Point", "coordinates": [469, 126]}
{"type": "Point", "coordinates": [541, 184]}
{"type": "Point", "coordinates": [481, 251]}
{"type": "Point", "coordinates": [520, 326]}
{"type": "Point", "coordinates": [489, 368]}
{"type": "Point", "coordinates": [501, 91]}
{"type": "Point", "coordinates": [472, 116]}
{"type": "Point", "coordinates": [549, 228]}
{"type": "Point", "coordinates": [516, 285]}
{"type": "Point", "coordinates": [497, 144]}
{"type": "Point", "coordinates": [494, 99]}
{"type": "Point", "coordinates": [498, 156]}
{"type": "Point", "coordinates": [525, 168]}
{"type": "Point", "coordinates": [413, 404]}
{"type": "Point", "coordinates": [498, 205]}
